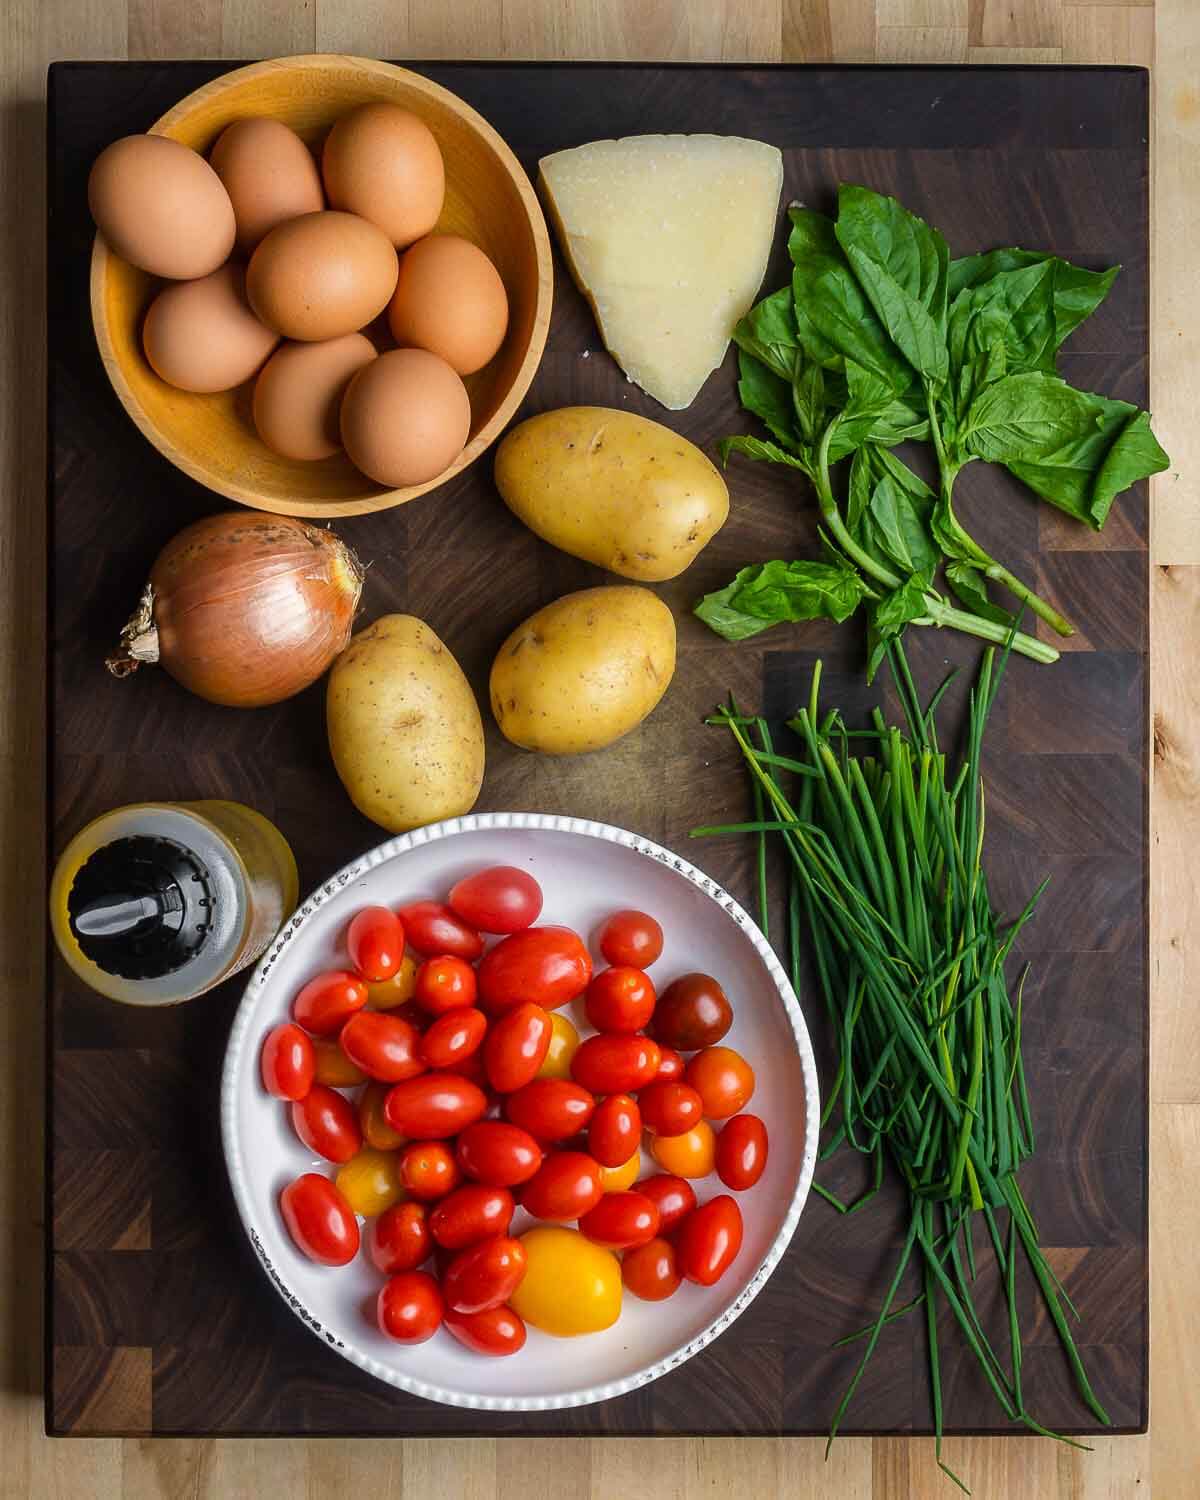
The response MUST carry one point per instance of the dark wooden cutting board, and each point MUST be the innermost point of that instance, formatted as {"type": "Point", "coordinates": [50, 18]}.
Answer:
{"type": "Point", "coordinates": [160, 1320]}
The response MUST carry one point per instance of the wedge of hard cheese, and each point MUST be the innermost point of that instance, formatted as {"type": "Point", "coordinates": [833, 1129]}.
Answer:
{"type": "Point", "coordinates": [668, 238]}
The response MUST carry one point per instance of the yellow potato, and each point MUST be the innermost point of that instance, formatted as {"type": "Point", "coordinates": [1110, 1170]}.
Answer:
{"type": "Point", "coordinates": [615, 489]}
{"type": "Point", "coordinates": [583, 671]}
{"type": "Point", "coordinates": [404, 727]}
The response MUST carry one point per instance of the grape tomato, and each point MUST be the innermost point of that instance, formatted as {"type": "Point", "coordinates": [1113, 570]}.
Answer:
{"type": "Point", "coordinates": [399, 1239]}
{"type": "Point", "coordinates": [691, 1154]}
{"type": "Point", "coordinates": [375, 1128]}
{"type": "Point", "coordinates": [709, 1240]}
{"type": "Point", "coordinates": [742, 1152]}
{"type": "Point", "coordinates": [319, 1220]}
{"type": "Point", "coordinates": [471, 1213]}
{"type": "Point", "coordinates": [496, 1331]}
{"type": "Point", "coordinates": [548, 965]}
{"type": "Point", "coordinates": [498, 1153]}
{"type": "Point", "coordinates": [550, 1109]}
{"type": "Point", "coordinates": [453, 1037]}
{"type": "Point", "coordinates": [434, 1106]}
{"type": "Point", "coordinates": [564, 1187]}
{"type": "Point", "coordinates": [484, 1275]}
{"type": "Point", "coordinates": [500, 899]}
{"type": "Point", "coordinates": [370, 1181]}
{"type": "Point", "coordinates": [444, 983]}
{"type": "Point", "coordinates": [433, 929]}
{"type": "Point", "coordinates": [387, 994]}
{"type": "Point", "coordinates": [333, 1067]}
{"type": "Point", "coordinates": [615, 1130]}
{"type": "Point", "coordinates": [327, 1002]}
{"type": "Point", "coordinates": [375, 943]}
{"type": "Point", "coordinates": [288, 1062]}
{"type": "Point", "coordinates": [327, 1124]}
{"type": "Point", "coordinates": [670, 1108]}
{"type": "Point", "coordinates": [631, 937]}
{"type": "Point", "coordinates": [516, 1047]}
{"type": "Point", "coordinates": [382, 1045]}
{"type": "Point", "coordinates": [615, 1064]}
{"type": "Point", "coordinates": [670, 1066]}
{"type": "Point", "coordinates": [564, 1043]}
{"type": "Point", "coordinates": [621, 1221]}
{"type": "Point", "coordinates": [429, 1170]}
{"type": "Point", "coordinates": [650, 1271]}
{"type": "Point", "coordinates": [410, 1307]}
{"type": "Point", "coordinates": [674, 1197]}
{"type": "Point", "coordinates": [723, 1079]}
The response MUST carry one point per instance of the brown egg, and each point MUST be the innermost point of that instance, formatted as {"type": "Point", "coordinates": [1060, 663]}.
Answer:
{"type": "Point", "coordinates": [382, 162]}
{"type": "Point", "coordinates": [449, 299]}
{"type": "Point", "coordinates": [298, 394]}
{"type": "Point", "coordinates": [161, 207]}
{"type": "Point", "coordinates": [269, 174]}
{"type": "Point", "coordinates": [202, 336]}
{"type": "Point", "coordinates": [321, 275]}
{"type": "Point", "coordinates": [405, 417]}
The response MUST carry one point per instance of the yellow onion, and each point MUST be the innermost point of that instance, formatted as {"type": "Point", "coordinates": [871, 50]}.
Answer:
{"type": "Point", "coordinates": [244, 609]}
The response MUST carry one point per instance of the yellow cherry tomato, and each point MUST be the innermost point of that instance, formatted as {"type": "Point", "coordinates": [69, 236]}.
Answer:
{"type": "Point", "coordinates": [370, 1181]}
{"type": "Point", "coordinates": [570, 1285]}
{"type": "Point", "coordinates": [375, 1128]}
{"type": "Point", "coordinates": [389, 993]}
{"type": "Point", "coordinates": [334, 1068]}
{"type": "Point", "coordinates": [617, 1179]}
{"type": "Point", "coordinates": [564, 1040]}
{"type": "Point", "coordinates": [688, 1155]}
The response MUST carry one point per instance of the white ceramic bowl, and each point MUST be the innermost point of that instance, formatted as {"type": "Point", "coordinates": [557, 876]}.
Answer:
{"type": "Point", "coordinates": [586, 871]}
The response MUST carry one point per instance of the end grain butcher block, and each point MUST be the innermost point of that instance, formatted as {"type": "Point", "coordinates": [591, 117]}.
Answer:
{"type": "Point", "coordinates": [160, 1318]}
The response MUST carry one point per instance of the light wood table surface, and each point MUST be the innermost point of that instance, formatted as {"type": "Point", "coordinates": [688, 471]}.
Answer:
{"type": "Point", "coordinates": [1166, 34]}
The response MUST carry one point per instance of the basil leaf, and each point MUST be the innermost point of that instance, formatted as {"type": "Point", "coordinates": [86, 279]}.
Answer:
{"type": "Point", "coordinates": [771, 593]}
{"type": "Point", "coordinates": [896, 609]}
{"type": "Point", "coordinates": [1015, 310]}
{"type": "Point", "coordinates": [769, 398]}
{"type": "Point", "coordinates": [811, 234]}
{"type": "Point", "coordinates": [768, 332]}
{"type": "Point", "coordinates": [859, 495]}
{"type": "Point", "coordinates": [809, 400]}
{"type": "Point", "coordinates": [882, 462]}
{"type": "Point", "coordinates": [1025, 417]}
{"type": "Point", "coordinates": [903, 527]}
{"type": "Point", "coordinates": [970, 588]}
{"type": "Point", "coordinates": [1086, 473]}
{"type": "Point", "coordinates": [752, 447]}
{"type": "Point", "coordinates": [1077, 292]}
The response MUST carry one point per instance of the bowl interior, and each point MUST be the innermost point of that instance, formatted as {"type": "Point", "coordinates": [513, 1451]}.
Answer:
{"type": "Point", "coordinates": [213, 436]}
{"type": "Point", "coordinates": [585, 878]}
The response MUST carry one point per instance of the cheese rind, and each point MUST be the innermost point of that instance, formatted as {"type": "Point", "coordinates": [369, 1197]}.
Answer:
{"type": "Point", "coordinates": [668, 237]}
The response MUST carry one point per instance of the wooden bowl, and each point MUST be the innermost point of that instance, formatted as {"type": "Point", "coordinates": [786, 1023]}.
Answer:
{"type": "Point", "coordinates": [489, 200]}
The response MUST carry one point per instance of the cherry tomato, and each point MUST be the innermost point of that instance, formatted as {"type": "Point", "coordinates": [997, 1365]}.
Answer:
{"type": "Point", "coordinates": [399, 1239]}
{"type": "Point", "coordinates": [334, 1068]}
{"type": "Point", "coordinates": [670, 1108]}
{"type": "Point", "coordinates": [674, 1197]}
{"type": "Point", "coordinates": [564, 1042]}
{"type": "Point", "coordinates": [498, 1154]}
{"type": "Point", "coordinates": [617, 1179]}
{"type": "Point", "coordinates": [670, 1066]}
{"type": "Point", "coordinates": [444, 983]}
{"type": "Point", "coordinates": [410, 1307]}
{"type": "Point", "coordinates": [709, 1240]}
{"type": "Point", "coordinates": [620, 999]}
{"type": "Point", "coordinates": [609, 1064]}
{"type": "Point", "coordinates": [688, 1155]}
{"type": "Point", "coordinates": [500, 899]}
{"type": "Point", "coordinates": [434, 1106]}
{"type": "Point", "coordinates": [375, 1128]}
{"type": "Point", "coordinates": [564, 1187]}
{"type": "Point", "coordinates": [319, 1220]}
{"type": "Point", "coordinates": [325, 1121]}
{"type": "Point", "coordinates": [469, 1214]}
{"type": "Point", "coordinates": [621, 1221]}
{"type": "Point", "coordinates": [742, 1152]}
{"type": "Point", "coordinates": [370, 1181]}
{"type": "Point", "coordinates": [615, 1130]}
{"type": "Point", "coordinates": [723, 1079]}
{"type": "Point", "coordinates": [453, 1037]}
{"type": "Point", "coordinates": [327, 1002]}
{"type": "Point", "coordinates": [375, 942]}
{"type": "Point", "coordinates": [650, 1271]}
{"type": "Point", "coordinates": [631, 937]}
{"type": "Point", "coordinates": [428, 1170]}
{"type": "Point", "coordinates": [496, 1330]}
{"type": "Point", "coordinates": [288, 1062]}
{"type": "Point", "coordinates": [548, 965]}
{"type": "Point", "coordinates": [470, 1067]}
{"type": "Point", "coordinates": [383, 1046]}
{"type": "Point", "coordinates": [692, 1012]}
{"type": "Point", "coordinates": [398, 990]}
{"type": "Point", "coordinates": [516, 1047]}
{"type": "Point", "coordinates": [484, 1275]}
{"type": "Point", "coordinates": [433, 929]}
{"type": "Point", "coordinates": [550, 1109]}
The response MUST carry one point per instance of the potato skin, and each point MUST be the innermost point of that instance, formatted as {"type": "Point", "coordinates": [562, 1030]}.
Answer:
{"type": "Point", "coordinates": [583, 671]}
{"type": "Point", "coordinates": [404, 727]}
{"type": "Point", "coordinates": [613, 488]}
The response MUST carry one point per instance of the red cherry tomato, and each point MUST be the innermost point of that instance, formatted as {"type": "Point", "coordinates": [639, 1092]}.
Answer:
{"type": "Point", "coordinates": [621, 1221]}
{"type": "Point", "coordinates": [620, 999]}
{"type": "Point", "coordinates": [670, 1066]}
{"type": "Point", "coordinates": [399, 1238]}
{"type": "Point", "coordinates": [288, 1062]}
{"type": "Point", "coordinates": [320, 1220]}
{"type": "Point", "coordinates": [650, 1272]}
{"type": "Point", "coordinates": [327, 1123]}
{"type": "Point", "coordinates": [469, 1214]}
{"type": "Point", "coordinates": [434, 1106]}
{"type": "Point", "coordinates": [428, 1170]}
{"type": "Point", "coordinates": [470, 1067]}
{"type": "Point", "coordinates": [453, 1037]}
{"type": "Point", "coordinates": [382, 1045]}
{"type": "Point", "coordinates": [670, 1108]}
{"type": "Point", "coordinates": [709, 1240]}
{"type": "Point", "coordinates": [444, 983]}
{"type": "Point", "coordinates": [616, 1130]}
{"type": "Point", "coordinates": [723, 1079]}
{"type": "Point", "coordinates": [742, 1152]}
{"type": "Point", "coordinates": [410, 1307]}
{"type": "Point", "coordinates": [692, 1012]}
{"type": "Point", "coordinates": [498, 1154]}
{"type": "Point", "coordinates": [432, 929]}
{"type": "Point", "coordinates": [501, 899]}
{"type": "Point", "coordinates": [327, 1002]}
{"type": "Point", "coordinates": [608, 1064]}
{"type": "Point", "coordinates": [631, 937]}
{"type": "Point", "coordinates": [550, 1109]}
{"type": "Point", "coordinates": [548, 965]}
{"type": "Point", "coordinates": [566, 1186]}
{"type": "Point", "coordinates": [484, 1275]}
{"type": "Point", "coordinates": [375, 941]}
{"type": "Point", "coordinates": [516, 1047]}
{"type": "Point", "coordinates": [674, 1197]}
{"type": "Point", "coordinates": [496, 1330]}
